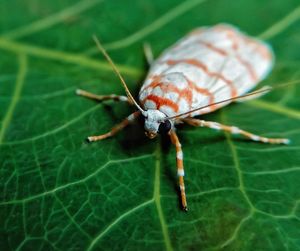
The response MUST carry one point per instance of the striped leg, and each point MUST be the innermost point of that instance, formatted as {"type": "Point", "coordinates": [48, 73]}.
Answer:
{"type": "Point", "coordinates": [234, 130]}
{"type": "Point", "coordinates": [180, 170]}
{"type": "Point", "coordinates": [101, 97]}
{"type": "Point", "coordinates": [116, 128]}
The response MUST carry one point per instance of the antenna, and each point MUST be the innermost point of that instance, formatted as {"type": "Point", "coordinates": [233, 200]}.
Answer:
{"type": "Point", "coordinates": [267, 89]}
{"type": "Point", "coordinates": [102, 50]}
{"type": "Point", "coordinates": [262, 90]}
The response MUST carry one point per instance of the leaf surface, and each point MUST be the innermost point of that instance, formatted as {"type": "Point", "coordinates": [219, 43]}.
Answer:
{"type": "Point", "coordinates": [59, 193]}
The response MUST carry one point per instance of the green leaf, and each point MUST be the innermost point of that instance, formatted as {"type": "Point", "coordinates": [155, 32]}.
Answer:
{"type": "Point", "coordinates": [59, 193]}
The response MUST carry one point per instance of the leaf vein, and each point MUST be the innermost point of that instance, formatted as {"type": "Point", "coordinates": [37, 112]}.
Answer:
{"type": "Point", "coordinates": [157, 197]}
{"type": "Point", "coordinates": [55, 130]}
{"type": "Point", "coordinates": [237, 166]}
{"type": "Point", "coordinates": [281, 171]}
{"type": "Point", "coordinates": [16, 95]}
{"type": "Point", "coordinates": [71, 218]}
{"type": "Point", "coordinates": [116, 221]}
{"type": "Point", "coordinates": [281, 25]}
{"type": "Point", "coordinates": [237, 230]}
{"type": "Point", "coordinates": [273, 107]}
{"type": "Point", "coordinates": [66, 57]}
{"type": "Point", "coordinates": [52, 19]}
{"type": "Point", "coordinates": [154, 26]}
{"type": "Point", "coordinates": [86, 178]}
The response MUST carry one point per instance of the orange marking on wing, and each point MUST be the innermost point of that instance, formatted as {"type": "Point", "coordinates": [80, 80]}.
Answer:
{"type": "Point", "coordinates": [249, 67]}
{"type": "Point", "coordinates": [203, 91]}
{"type": "Point", "coordinates": [213, 48]}
{"type": "Point", "coordinates": [160, 101]}
{"type": "Point", "coordinates": [198, 64]}
{"type": "Point", "coordinates": [230, 33]}
{"type": "Point", "coordinates": [235, 40]}
{"type": "Point", "coordinates": [265, 53]}
{"type": "Point", "coordinates": [185, 93]}
{"type": "Point", "coordinates": [246, 64]}
{"type": "Point", "coordinates": [262, 49]}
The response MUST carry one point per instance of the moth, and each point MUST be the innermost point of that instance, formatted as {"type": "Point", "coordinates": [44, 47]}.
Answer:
{"type": "Point", "coordinates": [204, 71]}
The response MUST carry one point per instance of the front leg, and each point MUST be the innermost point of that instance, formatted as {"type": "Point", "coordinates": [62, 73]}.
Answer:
{"type": "Point", "coordinates": [100, 98]}
{"type": "Point", "coordinates": [180, 169]}
{"type": "Point", "coordinates": [116, 128]}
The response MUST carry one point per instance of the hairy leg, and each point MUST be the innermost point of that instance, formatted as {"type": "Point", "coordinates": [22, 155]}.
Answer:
{"type": "Point", "coordinates": [234, 130]}
{"type": "Point", "coordinates": [102, 97]}
{"type": "Point", "coordinates": [116, 128]}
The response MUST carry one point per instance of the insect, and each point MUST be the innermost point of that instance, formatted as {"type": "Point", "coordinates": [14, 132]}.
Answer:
{"type": "Point", "coordinates": [204, 71]}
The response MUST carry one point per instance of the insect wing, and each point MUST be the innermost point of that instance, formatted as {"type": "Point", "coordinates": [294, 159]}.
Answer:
{"type": "Point", "coordinates": [217, 63]}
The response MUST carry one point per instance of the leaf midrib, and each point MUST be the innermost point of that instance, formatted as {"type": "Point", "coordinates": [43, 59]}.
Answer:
{"type": "Point", "coordinates": [65, 57]}
{"type": "Point", "coordinates": [157, 197]}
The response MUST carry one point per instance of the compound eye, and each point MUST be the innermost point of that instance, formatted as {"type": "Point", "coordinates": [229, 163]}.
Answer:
{"type": "Point", "coordinates": [164, 127]}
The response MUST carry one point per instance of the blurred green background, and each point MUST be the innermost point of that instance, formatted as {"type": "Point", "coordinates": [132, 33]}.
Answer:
{"type": "Point", "coordinates": [59, 193]}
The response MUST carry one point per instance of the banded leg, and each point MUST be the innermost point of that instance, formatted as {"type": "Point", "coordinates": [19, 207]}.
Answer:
{"type": "Point", "coordinates": [116, 128]}
{"type": "Point", "coordinates": [180, 169]}
{"type": "Point", "coordinates": [102, 97]}
{"type": "Point", "coordinates": [235, 130]}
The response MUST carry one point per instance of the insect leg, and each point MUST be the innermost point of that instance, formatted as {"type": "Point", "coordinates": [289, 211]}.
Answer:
{"type": "Point", "coordinates": [180, 169]}
{"type": "Point", "coordinates": [148, 53]}
{"type": "Point", "coordinates": [101, 97]}
{"type": "Point", "coordinates": [116, 128]}
{"type": "Point", "coordinates": [234, 130]}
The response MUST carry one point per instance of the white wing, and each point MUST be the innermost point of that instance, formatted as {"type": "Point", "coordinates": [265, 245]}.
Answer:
{"type": "Point", "coordinates": [220, 62]}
